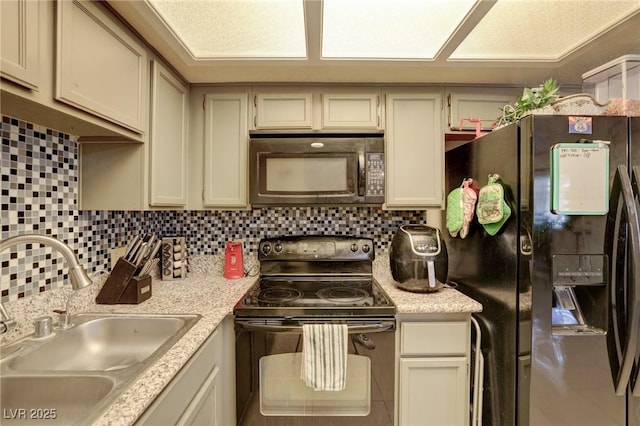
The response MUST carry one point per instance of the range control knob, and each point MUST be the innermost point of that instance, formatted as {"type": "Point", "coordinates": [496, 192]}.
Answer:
{"type": "Point", "coordinates": [354, 247]}
{"type": "Point", "coordinates": [266, 249]}
{"type": "Point", "coordinates": [278, 248]}
{"type": "Point", "coordinates": [366, 248]}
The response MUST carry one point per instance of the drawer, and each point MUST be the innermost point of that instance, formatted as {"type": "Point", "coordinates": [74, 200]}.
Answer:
{"type": "Point", "coordinates": [434, 338]}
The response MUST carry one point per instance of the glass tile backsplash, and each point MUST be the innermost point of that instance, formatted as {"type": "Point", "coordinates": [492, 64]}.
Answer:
{"type": "Point", "coordinates": [40, 195]}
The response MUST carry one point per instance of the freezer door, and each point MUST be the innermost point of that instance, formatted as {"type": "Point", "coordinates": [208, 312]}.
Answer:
{"type": "Point", "coordinates": [623, 233]}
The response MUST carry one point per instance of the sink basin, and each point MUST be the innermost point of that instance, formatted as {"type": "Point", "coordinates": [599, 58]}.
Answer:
{"type": "Point", "coordinates": [104, 343]}
{"type": "Point", "coordinates": [72, 376]}
{"type": "Point", "coordinates": [51, 400]}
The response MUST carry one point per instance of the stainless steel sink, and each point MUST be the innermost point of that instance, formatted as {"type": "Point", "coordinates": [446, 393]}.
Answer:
{"type": "Point", "coordinates": [54, 400]}
{"type": "Point", "coordinates": [80, 371]}
{"type": "Point", "coordinates": [104, 343]}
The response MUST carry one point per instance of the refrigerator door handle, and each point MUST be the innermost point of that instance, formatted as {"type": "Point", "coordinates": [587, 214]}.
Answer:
{"type": "Point", "coordinates": [622, 353]}
{"type": "Point", "coordinates": [634, 273]}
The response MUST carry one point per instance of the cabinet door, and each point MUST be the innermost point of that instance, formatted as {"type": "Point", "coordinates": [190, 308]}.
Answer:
{"type": "Point", "coordinates": [168, 147]}
{"type": "Point", "coordinates": [203, 409]}
{"type": "Point", "coordinates": [19, 45]}
{"type": "Point", "coordinates": [414, 150]}
{"type": "Point", "coordinates": [433, 392]}
{"type": "Point", "coordinates": [283, 111]}
{"type": "Point", "coordinates": [350, 111]}
{"type": "Point", "coordinates": [99, 67]}
{"type": "Point", "coordinates": [478, 104]}
{"type": "Point", "coordinates": [225, 150]}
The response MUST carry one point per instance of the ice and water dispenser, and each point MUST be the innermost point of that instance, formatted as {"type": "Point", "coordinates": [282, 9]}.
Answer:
{"type": "Point", "coordinates": [579, 293]}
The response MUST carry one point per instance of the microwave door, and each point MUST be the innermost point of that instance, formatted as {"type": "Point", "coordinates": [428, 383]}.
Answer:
{"type": "Point", "coordinates": [320, 177]}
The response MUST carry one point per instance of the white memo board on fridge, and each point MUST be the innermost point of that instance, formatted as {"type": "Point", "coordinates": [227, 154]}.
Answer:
{"type": "Point", "coordinates": [580, 178]}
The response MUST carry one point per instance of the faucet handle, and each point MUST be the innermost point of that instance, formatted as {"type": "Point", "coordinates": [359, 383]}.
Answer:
{"type": "Point", "coordinates": [43, 326]}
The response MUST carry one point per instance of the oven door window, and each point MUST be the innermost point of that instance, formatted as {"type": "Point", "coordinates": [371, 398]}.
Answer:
{"type": "Point", "coordinates": [299, 175]}
{"type": "Point", "coordinates": [284, 393]}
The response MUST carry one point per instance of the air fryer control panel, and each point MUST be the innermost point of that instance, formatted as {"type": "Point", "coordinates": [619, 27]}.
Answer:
{"type": "Point", "coordinates": [426, 244]}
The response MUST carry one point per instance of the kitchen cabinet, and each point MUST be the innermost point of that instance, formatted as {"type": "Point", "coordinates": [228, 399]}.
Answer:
{"type": "Point", "coordinates": [485, 104]}
{"type": "Point", "coordinates": [116, 175]}
{"type": "Point", "coordinates": [226, 140]}
{"type": "Point", "coordinates": [351, 110]}
{"type": "Point", "coordinates": [433, 371]}
{"type": "Point", "coordinates": [30, 70]}
{"type": "Point", "coordinates": [619, 78]}
{"type": "Point", "coordinates": [203, 392]}
{"type": "Point", "coordinates": [168, 145]}
{"type": "Point", "coordinates": [19, 45]}
{"type": "Point", "coordinates": [414, 150]}
{"type": "Point", "coordinates": [283, 110]}
{"type": "Point", "coordinates": [100, 67]}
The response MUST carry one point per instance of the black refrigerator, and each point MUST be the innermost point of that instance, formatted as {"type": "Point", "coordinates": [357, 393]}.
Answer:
{"type": "Point", "coordinates": [559, 282]}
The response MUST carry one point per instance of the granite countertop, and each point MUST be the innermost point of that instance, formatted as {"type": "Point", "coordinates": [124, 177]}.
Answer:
{"type": "Point", "coordinates": [208, 293]}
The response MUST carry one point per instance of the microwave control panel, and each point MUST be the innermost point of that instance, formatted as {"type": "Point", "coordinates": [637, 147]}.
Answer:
{"type": "Point", "coordinates": [375, 174]}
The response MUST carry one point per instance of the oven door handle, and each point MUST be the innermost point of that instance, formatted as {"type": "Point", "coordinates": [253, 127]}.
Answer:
{"type": "Point", "coordinates": [297, 328]}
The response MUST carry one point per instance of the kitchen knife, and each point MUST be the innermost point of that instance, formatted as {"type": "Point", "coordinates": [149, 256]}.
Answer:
{"type": "Point", "coordinates": [148, 259]}
{"type": "Point", "coordinates": [134, 251]}
{"type": "Point", "coordinates": [130, 245]}
{"type": "Point", "coordinates": [142, 252]}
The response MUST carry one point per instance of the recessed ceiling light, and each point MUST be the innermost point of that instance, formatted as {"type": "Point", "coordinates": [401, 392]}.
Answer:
{"type": "Point", "coordinates": [389, 29]}
{"type": "Point", "coordinates": [544, 30]}
{"type": "Point", "coordinates": [235, 29]}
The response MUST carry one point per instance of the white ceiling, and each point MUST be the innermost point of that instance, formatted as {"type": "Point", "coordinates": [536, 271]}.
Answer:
{"type": "Point", "coordinates": [512, 42]}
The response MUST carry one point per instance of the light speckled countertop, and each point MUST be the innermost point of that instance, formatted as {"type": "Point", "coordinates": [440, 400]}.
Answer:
{"type": "Point", "coordinates": [208, 293]}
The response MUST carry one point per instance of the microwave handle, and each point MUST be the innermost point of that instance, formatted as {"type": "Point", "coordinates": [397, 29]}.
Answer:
{"type": "Point", "coordinates": [362, 174]}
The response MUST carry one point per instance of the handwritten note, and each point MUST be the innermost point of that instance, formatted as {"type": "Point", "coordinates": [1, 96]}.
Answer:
{"type": "Point", "coordinates": [580, 178]}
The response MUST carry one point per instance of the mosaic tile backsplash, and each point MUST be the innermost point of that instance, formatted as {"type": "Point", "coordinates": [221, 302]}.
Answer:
{"type": "Point", "coordinates": [40, 195]}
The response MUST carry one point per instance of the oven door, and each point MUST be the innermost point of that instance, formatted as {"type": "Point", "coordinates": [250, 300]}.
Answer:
{"type": "Point", "coordinates": [280, 395]}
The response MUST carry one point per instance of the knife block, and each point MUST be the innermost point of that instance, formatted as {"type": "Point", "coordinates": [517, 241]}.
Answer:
{"type": "Point", "coordinates": [123, 287]}
{"type": "Point", "coordinates": [137, 291]}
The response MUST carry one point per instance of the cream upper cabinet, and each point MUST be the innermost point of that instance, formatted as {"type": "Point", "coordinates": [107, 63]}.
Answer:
{"type": "Point", "coordinates": [351, 111]}
{"type": "Point", "coordinates": [168, 138]}
{"type": "Point", "coordinates": [101, 69]}
{"type": "Point", "coordinates": [226, 140]}
{"type": "Point", "coordinates": [468, 104]}
{"type": "Point", "coordinates": [414, 150]}
{"type": "Point", "coordinates": [283, 110]}
{"type": "Point", "coordinates": [433, 373]}
{"type": "Point", "coordinates": [20, 32]}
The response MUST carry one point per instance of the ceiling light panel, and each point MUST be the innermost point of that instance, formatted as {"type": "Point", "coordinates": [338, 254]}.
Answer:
{"type": "Point", "coordinates": [544, 30]}
{"type": "Point", "coordinates": [236, 29]}
{"type": "Point", "coordinates": [389, 29]}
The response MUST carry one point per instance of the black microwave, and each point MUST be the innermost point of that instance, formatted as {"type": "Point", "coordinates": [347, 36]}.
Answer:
{"type": "Point", "coordinates": [316, 170]}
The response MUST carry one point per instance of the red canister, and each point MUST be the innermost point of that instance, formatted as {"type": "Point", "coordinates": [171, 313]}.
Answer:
{"type": "Point", "coordinates": [233, 260]}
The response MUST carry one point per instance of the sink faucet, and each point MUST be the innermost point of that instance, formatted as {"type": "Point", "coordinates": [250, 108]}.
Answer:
{"type": "Point", "coordinates": [77, 274]}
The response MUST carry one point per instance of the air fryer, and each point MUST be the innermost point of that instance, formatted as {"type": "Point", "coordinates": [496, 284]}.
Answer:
{"type": "Point", "coordinates": [418, 258]}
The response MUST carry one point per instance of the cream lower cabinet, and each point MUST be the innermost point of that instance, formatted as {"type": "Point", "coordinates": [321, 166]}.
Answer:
{"type": "Point", "coordinates": [203, 392]}
{"type": "Point", "coordinates": [433, 372]}
{"type": "Point", "coordinates": [414, 150]}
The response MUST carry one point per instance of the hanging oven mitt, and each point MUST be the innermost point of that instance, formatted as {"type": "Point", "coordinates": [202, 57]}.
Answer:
{"type": "Point", "coordinates": [469, 197]}
{"type": "Point", "coordinates": [492, 210]}
{"type": "Point", "coordinates": [455, 211]}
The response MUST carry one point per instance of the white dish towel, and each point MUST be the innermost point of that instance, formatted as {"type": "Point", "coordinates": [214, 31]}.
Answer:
{"type": "Point", "coordinates": [324, 356]}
